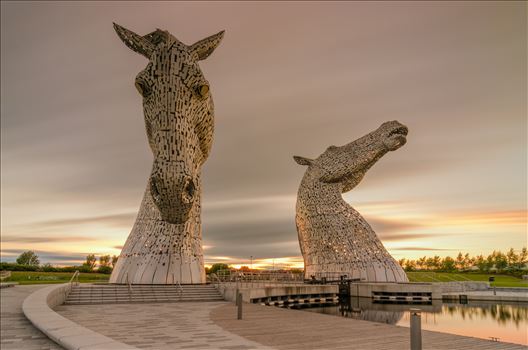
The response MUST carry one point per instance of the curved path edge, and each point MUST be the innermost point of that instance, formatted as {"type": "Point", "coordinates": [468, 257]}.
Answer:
{"type": "Point", "coordinates": [38, 308]}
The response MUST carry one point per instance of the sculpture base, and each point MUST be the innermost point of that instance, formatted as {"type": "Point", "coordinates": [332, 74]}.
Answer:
{"type": "Point", "coordinates": [134, 271]}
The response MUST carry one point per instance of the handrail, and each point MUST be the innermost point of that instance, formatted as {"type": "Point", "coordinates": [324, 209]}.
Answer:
{"type": "Point", "coordinates": [181, 289]}
{"type": "Point", "coordinates": [4, 275]}
{"type": "Point", "coordinates": [214, 276]}
{"type": "Point", "coordinates": [129, 285]}
{"type": "Point", "coordinates": [74, 277]}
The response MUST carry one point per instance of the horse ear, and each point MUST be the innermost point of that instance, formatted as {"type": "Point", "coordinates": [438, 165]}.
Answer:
{"type": "Point", "coordinates": [205, 47]}
{"type": "Point", "coordinates": [302, 160]}
{"type": "Point", "coordinates": [134, 41]}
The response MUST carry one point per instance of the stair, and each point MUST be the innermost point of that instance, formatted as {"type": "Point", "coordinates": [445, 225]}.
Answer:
{"type": "Point", "coordinates": [121, 294]}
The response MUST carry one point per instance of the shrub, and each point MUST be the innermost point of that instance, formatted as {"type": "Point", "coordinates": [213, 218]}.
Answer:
{"type": "Point", "coordinates": [104, 269]}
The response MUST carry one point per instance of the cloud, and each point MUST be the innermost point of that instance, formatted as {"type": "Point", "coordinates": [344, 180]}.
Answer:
{"type": "Point", "coordinates": [421, 248]}
{"type": "Point", "coordinates": [386, 226]}
{"type": "Point", "coordinates": [119, 220]}
{"type": "Point", "coordinates": [45, 239]}
{"type": "Point", "coordinates": [10, 255]}
{"type": "Point", "coordinates": [407, 236]}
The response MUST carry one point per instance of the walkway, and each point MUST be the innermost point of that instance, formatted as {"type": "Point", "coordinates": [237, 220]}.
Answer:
{"type": "Point", "coordinates": [159, 326]}
{"type": "Point", "coordinates": [16, 332]}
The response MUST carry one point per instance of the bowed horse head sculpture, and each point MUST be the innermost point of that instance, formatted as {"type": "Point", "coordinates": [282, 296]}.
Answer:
{"type": "Point", "coordinates": [179, 116]}
{"type": "Point", "coordinates": [165, 244]}
{"type": "Point", "coordinates": [334, 238]}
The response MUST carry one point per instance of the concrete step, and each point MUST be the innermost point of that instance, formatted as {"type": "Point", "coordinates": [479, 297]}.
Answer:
{"type": "Point", "coordinates": [142, 291]}
{"type": "Point", "coordinates": [89, 300]}
{"type": "Point", "coordinates": [112, 294]}
{"type": "Point", "coordinates": [85, 297]}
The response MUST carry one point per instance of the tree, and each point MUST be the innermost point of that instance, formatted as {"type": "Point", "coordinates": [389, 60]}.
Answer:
{"type": "Point", "coordinates": [501, 261]}
{"type": "Point", "coordinates": [460, 262]}
{"type": "Point", "coordinates": [217, 267]}
{"type": "Point", "coordinates": [468, 261]}
{"type": "Point", "coordinates": [448, 264]}
{"type": "Point", "coordinates": [421, 263]}
{"type": "Point", "coordinates": [114, 260]}
{"type": "Point", "coordinates": [523, 258]}
{"type": "Point", "coordinates": [104, 260]}
{"type": "Point", "coordinates": [90, 261]}
{"type": "Point", "coordinates": [512, 258]}
{"type": "Point", "coordinates": [490, 261]}
{"type": "Point", "coordinates": [481, 263]}
{"type": "Point", "coordinates": [28, 258]}
{"type": "Point", "coordinates": [410, 265]}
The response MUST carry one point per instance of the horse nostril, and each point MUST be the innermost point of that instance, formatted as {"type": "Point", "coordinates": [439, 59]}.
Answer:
{"type": "Point", "coordinates": [202, 90]}
{"type": "Point", "coordinates": [143, 87]}
{"type": "Point", "coordinates": [154, 189]}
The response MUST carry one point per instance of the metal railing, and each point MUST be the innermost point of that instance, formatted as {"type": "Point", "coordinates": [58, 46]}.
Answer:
{"type": "Point", "coordinates": [129, 285]}
{"type": "Point", "coordinates": [4, 275]}
{"type": "Point", "coordinates": [256, 278]}
{"type": "Point", "coordinates": [180, 289]}
{"type": "Point", "coordinates": [74, 280]}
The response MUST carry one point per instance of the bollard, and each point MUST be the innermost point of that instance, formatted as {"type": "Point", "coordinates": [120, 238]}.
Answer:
{"type": "Point", "coordinates": [416, 329]}
{"type": "Point", "coordinates": [239, 305]}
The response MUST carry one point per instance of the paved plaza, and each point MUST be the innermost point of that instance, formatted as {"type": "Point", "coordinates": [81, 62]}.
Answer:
{"type": "Point", "coordinates": [16, 331]}
{"type": "Point", "coordinates": [213, 325]}
{"type": "Point", "coordinates": [159, 326]}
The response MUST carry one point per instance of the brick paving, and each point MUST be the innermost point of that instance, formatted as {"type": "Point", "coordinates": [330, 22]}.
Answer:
{"type": "Point", "coordinates": [159, 326]}
{"type": "Point", "coordinates": [16, 332]}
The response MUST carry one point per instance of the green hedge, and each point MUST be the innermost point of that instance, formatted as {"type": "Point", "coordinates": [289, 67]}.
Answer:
{"type": "Point", "coordinates": [49, 268]}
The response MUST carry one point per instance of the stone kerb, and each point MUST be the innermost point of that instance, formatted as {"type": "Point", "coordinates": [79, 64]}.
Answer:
{"type": "Point", "coordinates": [38, 309]}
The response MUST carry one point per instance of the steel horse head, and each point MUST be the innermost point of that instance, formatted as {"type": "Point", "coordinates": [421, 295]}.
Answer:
{"type": "Point", "coordinates": [179, 116]}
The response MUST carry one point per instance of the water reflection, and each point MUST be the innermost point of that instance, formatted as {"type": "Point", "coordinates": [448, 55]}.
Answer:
{"type": "Point", "coordinates": [503, 314]}
{"type": "Point", "coordinates": [508, 322]}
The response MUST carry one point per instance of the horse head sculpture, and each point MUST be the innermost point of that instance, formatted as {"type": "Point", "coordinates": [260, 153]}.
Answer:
{"type": "Point", "coordinates": [334, 238]}
{"type": "Point", "coordinates": [179, 116]}
{"type": "Point", "coordinates": [165, 244]}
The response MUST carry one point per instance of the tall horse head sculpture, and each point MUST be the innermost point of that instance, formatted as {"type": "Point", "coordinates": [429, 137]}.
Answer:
{"type": "Point", "coordinates": [179, 119]}
{"type": "Point", "coordinates": [334, 238]}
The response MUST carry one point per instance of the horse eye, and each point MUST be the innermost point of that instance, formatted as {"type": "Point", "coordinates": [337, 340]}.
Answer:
{"type": "Point", "coordinates": [143, 88]}
{"type": "Point", "coordinates": [202, 90]}
{"type": "Point", "coordinates": [189, 191]}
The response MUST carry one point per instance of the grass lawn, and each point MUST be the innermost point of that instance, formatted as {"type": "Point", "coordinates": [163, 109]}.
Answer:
{"type": "Point", "coordinates": [500, 280]}
{"type": "Point", "coordinates": [32, 277]}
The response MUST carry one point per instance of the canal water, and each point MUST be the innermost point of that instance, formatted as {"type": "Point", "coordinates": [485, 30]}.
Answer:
{"type": "Point", "coordinates": [504, 322]}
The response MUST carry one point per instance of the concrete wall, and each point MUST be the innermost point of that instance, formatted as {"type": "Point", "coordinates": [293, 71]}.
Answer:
{"type": "Point", "coordinates": [253, 291]}
{"type": "Point", "coordinates": [366, 289]}
{"type": "Point", "coordinates": [436, 289]}
{"type": "Point", "coordinates": [363, 289]}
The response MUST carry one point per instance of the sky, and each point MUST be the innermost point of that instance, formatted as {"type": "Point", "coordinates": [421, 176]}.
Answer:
{"type": "Point", "coordinates": [289, 78]}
